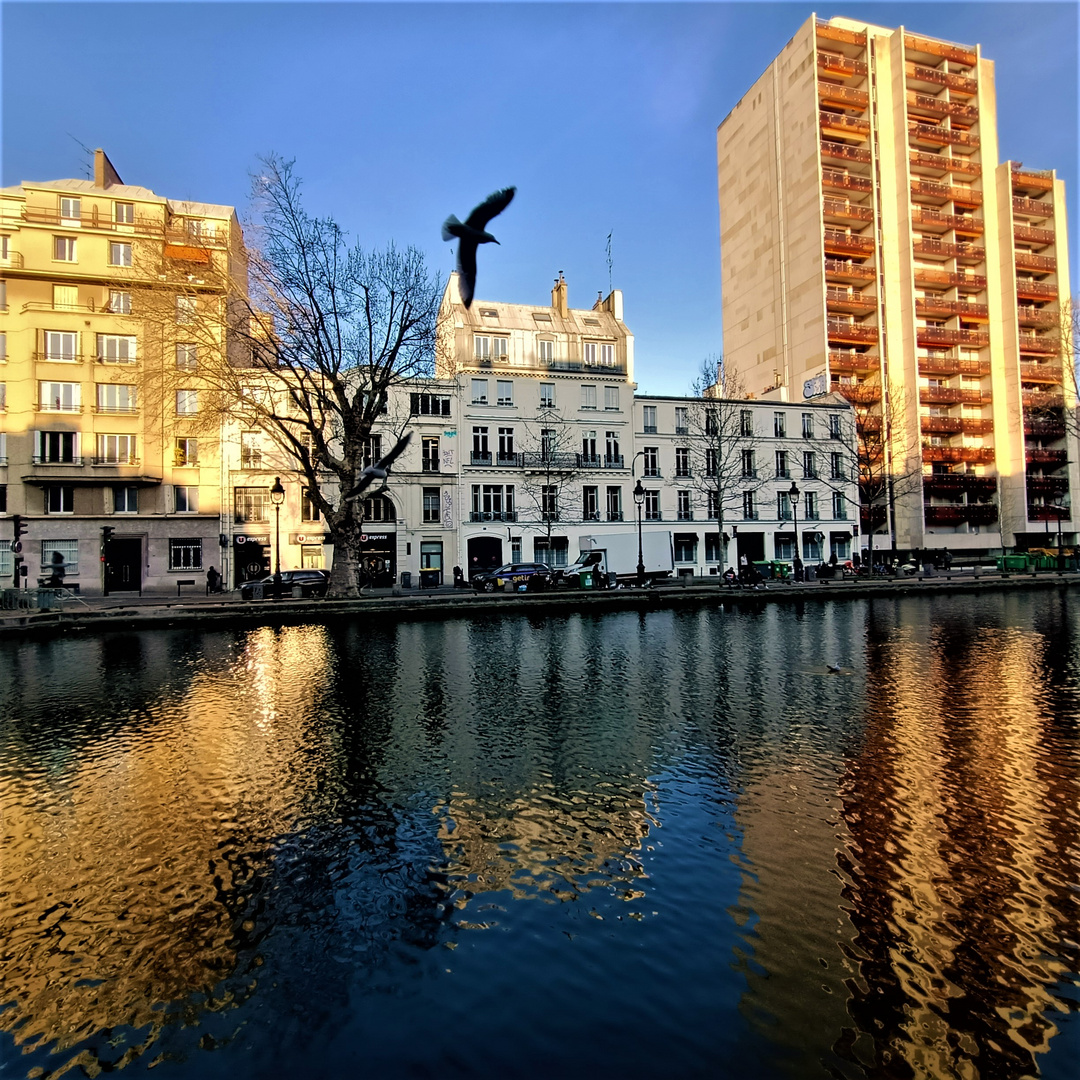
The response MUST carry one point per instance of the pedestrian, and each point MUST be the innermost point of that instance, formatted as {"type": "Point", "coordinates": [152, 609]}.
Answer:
{"type": "Point", "coordinates": [58, 568]}
{"type": "Point", "coordinates": [213, 581]}
{"type": "Point", "coordinates": [744, 568]}
{"type": "Point", "coordinates": [798, 565]}
{"type": "Point", "coordinates": [459, 578]}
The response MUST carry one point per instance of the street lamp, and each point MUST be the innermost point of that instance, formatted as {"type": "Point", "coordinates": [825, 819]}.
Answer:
{"type": "Point", "coordinates": [277, 497]}
{"type": "Point", "coordinates": [639, 499]}
{"type": "Point", "coordinates": [793, 496]}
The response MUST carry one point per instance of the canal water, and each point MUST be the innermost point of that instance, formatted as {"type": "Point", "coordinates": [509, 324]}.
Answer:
{"type": "Point", "coordinates": [671, 844]}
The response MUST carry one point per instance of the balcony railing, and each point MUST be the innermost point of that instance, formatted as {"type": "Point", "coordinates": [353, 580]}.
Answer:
{"type": "Point", "coordinates": [1041, 400]}
{"type": "Point", "coordinates": [957, 513]}
{"type": "Point", "coordinates": [841, 208]}
{"type": "Point", "coordinates": [58, 358]}
{"type": "Point", "coordinates": [1046, 485]}
{"type": "Point", "coordinates": [1038, 456]}
{"type": "Point", "coordinates": [957, 53]}
{"type": "Point", "coordinates": [843, 95]}
{"type": "Point", "coordinates": [949, 365]}
{"type": "Point", "coordinates": [942, 136]}
{"type": "Point", "coordinates": [1039, 181]}
{"type": "Point", "coordinates": [947, 250]}
{"type": "Point", "coordinates": [931, 189]}
{"type": "Point", "coordinates": [927, 306]}
{"type": "Point", "coordinates": [839, 360]}
{"type": "Point", "coordinates": [922, 159]}
{"type": "Point", "coordinates": [115, 460]}
{"type": "Point", "coordinates": [1033, 316]}
{"type": "Point", "coordinates": [948, 395]}
{"type": "Point", "coordinates": [550, 461]}
{"type": "Point", "coordinates": [978, 485]}
{"type": "Point", "coordinates": [480, 457]}
{"type": "Point", "coordinates": [589, 461]}
{"type": "Point", "coordinates": [1042, 373]}
{"type": "Point", "coordinates": [614, 515]}
{"type": "Point", "coordinates": [750, 515]}
{"type": "Point", "coordinates": [844, 268]}
{"type": "Point", "coordinates": [842, 330]}
{"type": "Point", "coordinates": [835, 64]}
{"type": "Point", "coordinates": [831, 149]}
{"type": "Point", "coordinates": [1036, 209]}
{"type": "Point", "coordinates": [980, 455]}
{"type": "Point", "coordinates": [1035, 290]}
{"type": "Point", "coordinates": [825, 32]}
{"type": "Point", "coordinates": [964, 282]}
{"type": "Point", "coordinates": [1048, 513]}
{"type": "Point", "coordinates": [41, 459]}
{"type": "Point", "coordinates": [940, 424]}
{"type": "Point", "coordinates": [117, 410]}
{"type": "Point", "coordinates": [933, 219]}
{"type": "Point", "coordinates": [613, 461]}
{"type": "Point", "coordinates": [1045, 429]}
{"type": "Point", "coordinates": [940, 107]}
{"type": "Point", "coordinates": [1047, 346]}
{"type": "Point", "coordinates": [861, 392]}
{"type": "Point", "coordinates": [1036, 263]}
{"type": "Point", "coordinates": [940, 335]}
{"type": "Point", "coordinates": [850, 299]}
{"type": "Point", "coordinates": [1030, 235]}
{"type": "Point", "coordinates": [493, 515]}
{"type": "Point", "coordinates": [144, 226]}
{"type": "Point", "coordinates": [55, 407]}
{"type": "Point", "coordinates": [853, 125]}
{"type": "Point", "coordinates": [921, 73]}
{"type": "Point", "coordinates": [842, 241]}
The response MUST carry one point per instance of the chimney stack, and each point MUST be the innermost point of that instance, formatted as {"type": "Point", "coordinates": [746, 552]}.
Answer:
{"type": "Point", "coordinates": [104, 173]}
{"type": "Point", "coordinates": [558, 297]}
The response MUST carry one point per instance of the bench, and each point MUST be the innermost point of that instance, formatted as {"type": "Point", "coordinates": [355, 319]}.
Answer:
{"type": "Point", "coordinates": [184, 581]}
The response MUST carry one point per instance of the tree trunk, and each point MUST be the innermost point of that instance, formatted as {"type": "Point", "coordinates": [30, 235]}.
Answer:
{"type": "Point", "coordinates": [344, 574]}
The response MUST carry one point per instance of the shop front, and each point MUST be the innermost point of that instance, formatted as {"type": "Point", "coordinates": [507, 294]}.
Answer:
{"type": "Point", "coordinates": [378, 559]}
{"type": "Point", "coordinates": [251, 558]}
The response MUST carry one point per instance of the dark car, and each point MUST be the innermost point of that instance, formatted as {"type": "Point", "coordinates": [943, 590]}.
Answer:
{"type": "Point", "coordinates": [311, 583]}
{"type": "Point", "coordinates": [534, 576]}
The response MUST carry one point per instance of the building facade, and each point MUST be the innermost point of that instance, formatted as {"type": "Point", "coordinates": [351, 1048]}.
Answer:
{"type": "Point", "coordinates": [872, 243]}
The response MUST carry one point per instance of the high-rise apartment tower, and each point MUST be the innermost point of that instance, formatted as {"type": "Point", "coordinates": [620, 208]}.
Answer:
{"type": "Point", "coordinates": [873, 244]}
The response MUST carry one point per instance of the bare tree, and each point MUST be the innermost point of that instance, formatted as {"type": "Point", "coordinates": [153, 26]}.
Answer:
{"type": "Point", "coordinates": [306, 337]}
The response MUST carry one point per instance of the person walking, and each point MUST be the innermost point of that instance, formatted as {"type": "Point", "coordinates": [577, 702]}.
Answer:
{"type": "Point", "coordinates": [213, 581]}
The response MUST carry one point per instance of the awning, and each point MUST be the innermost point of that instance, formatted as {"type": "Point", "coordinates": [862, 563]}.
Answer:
{"type": "Point", "coordinates": [74, 479]}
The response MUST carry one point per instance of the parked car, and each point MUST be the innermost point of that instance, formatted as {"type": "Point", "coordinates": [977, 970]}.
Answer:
{"type": "Point", "coordinates": [534, 576]}
{"type": "Point", "coordinates": [311, 582]}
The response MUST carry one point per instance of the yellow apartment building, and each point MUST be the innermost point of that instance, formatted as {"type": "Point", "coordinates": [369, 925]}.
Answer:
{"type": "Point", "coordinates": [872, 242]}
{"type": "Point", "coordinates": [99, 392]}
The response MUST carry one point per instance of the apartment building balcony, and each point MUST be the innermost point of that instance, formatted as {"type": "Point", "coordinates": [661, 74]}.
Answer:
{"type": "Point", "coordinates": [846, 97]}
{"type": "Point", "coordinates": [845, 181]}
{"type": "Point", "coordinates": [549, 461]}
{"type": "Point", "coordinates": [497, 515]}
{"type": "Point", "coordinates": [1035, 290]}
{"type": "Point", "coordinates": [842, 243]}
{"type": "Point", "coordinates": [846, 270]}
{"type": "Point", "coordinates": [508, 461]}
{"type": "Point", "coordinates": [976, 455]}
{"type": "Point", "coordinates": [940, 425]}
{"type": "Point", "coordinates": [940, 395]}
{"type": "Point", "coordinates": [92, 219]}
{"type": "Point", "coordinates": [825, 32]}
{"type": "Point", "coordinates": [842, 210]}
{"type": "Point", "coordinates": [940, 107]}
{"type": "Point", "coordinates": [67, 463]}
{"type": "Point", "coordinates": [1038, 264]}
{"type": "Point", "coordinates": [1033, 209]}
{"type": "Point", "coordinates": [1045, 346]}
{"type": "Point", "coordinates": [1044, 428]}
{"type": "Point", "coordinates": [1028, 234]}
{"type": "Point", "coordinates": [923, 162]}
{"type": "Point", "coordinates": [1036, 317]}
{"type": "Point", "coordinates": [56, 407]}
{"type": "Point", "coordinates": [1041, 400]}
{"type": "Point", "coordinates": [843, 361]}
{"type": "Point", "coordinates": [43, 357]}
{"type": "Point", "coordinates": [842, 330]}
{"type": "Point", "coordinates": [613, 461]}
{"type": "Point", "coordinates": [1028, 180]}
{"type": "Point", "coordinates": [935, 192]}
{"type": "Point", "coordinates": [920, 73]}
{"type": "Point", "coordinates": [834, 151]}
{"type": "Point", "coordinates": [959, 54]}
{"type": "Point", "coordinates": [1048, 513]}
{"type": "Point", "coordinates": [939, 222]}
{"type": "Point", "coordinates": [945, 249]}
{"type": "Point", "coordinates": [957, 514]}
{"type": "Point", "coordinates": [860, 393]}
{"type": "Point", "coordinates": [1046, 485]}
{"type": "Point", "coordinates": [951, 365]}
{"type": "Point", "coordinates": [943, 335]}
{"type": "Point", "coordinates": [850, 301]}
{"type": "Point", "coordinates": [953, 483]}
{"type": "Point", "coordinates": [115, 461]}
{"type": "Point", "coordinates": [590, 461]}
{"type": "Point", "coordinates": [1041, 373]}
{"type": "Point", "coordinates": [1041, 456]}
{"type": "Point", "coordinates": [936, 135]}
{"type": "Point", "coordinates": [841, 125]}
{"type": "Point", "coordinates": [834, 64]}
{"type": "Point", "coordinates": [949, 279]}
{"type": "Point", "coordinates": [932, 306]}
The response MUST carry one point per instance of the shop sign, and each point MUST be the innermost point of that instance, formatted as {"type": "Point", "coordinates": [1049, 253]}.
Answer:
{"type": "Point", "coordinates": [240, 540]}
{"type": "Point", "coordinates": [309, 538]}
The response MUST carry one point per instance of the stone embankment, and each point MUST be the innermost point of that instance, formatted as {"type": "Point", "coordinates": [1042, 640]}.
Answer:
{"type": "Point", "coordinates": [101, 614]}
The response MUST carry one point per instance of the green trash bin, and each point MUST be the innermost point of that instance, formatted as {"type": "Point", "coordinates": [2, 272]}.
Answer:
{"type": "Point", "coordinates": [1014, 562]}
{"type": "Point", "coordinates": [585, 579]}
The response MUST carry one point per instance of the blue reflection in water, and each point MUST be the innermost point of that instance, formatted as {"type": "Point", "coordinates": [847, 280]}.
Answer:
{"type": "Point", "coordinates": [669, 844]}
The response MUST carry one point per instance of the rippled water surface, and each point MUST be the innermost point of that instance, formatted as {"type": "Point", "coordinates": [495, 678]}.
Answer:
{"type": "Point", "coordinates": [663, 845]}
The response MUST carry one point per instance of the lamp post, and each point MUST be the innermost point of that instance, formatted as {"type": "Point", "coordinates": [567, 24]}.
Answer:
{"type": "Point", "coordinates": [639, 500]}
{"type": "Point", "coordinates": [277, 497]}
{"type": "Point", "coordinates": [793, 496]}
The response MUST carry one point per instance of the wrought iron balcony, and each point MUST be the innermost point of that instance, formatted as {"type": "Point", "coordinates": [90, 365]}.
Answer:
{"type": "Point", "coordinates": [613, 461]}
{"type": "Point", "coordinates": [480, 457]}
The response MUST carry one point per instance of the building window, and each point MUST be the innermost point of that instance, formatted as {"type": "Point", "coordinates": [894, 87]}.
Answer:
{"type": "Point", "coordinates": [251, 455]}
{"type": "Point", "coordinates": [64, 249]}
{"type": "Point", "coordinates": [652, 505]}
{"type": "Point", "coordinates": [68, 551]}
{"type": "Point", "coordinates": [372, 450]}
{"type": "Point", "coordinates": [3, 343]}
{"type": "Point", "coordinates": [59, 397]}
{"type": "Point", "coordinates": [65, 298]}
{"type": "Point", "coordinates": [682, 420]}
{"type": "Point", "coordinates": [549, 502]}
{"type": "Point", "coordinates": [125, 500]}
{"type": "Point", "coordinates": [429, 454]}
{"type": "Point", "coordinates": [749, 511]}
{"type": "Point", "coordinates": [379, 508]}
{"type": "Point", "coordinates": [810, 506]}
{"type": "Point", "coordinates": [748, 469]}
{"type": "Point", "coordinates": [682, 506]}
{"type": "Point", "coordinates": [711, 459]}
{"type": "Point", "coordinates": [431, 506]}
{"type": "Point", "coordinates": [782, 470]}
{"type": "Point", "coordinates": [588, 449]}
{"type": "Point", "coordinates": [589, 353]}
{"type": "Point", "coordinates": [482, 348]}
{"type": "Point", "coordinates": [187, 402]}
{"type": "Point", "coordinates": [124, 213]}
{"type": "Point", "coordinates": [187, 357]}
{"type": "Point", "coordinates": [545, 351]}
{"type": "Point", "coordinates": [588, 396]}
{"type": "Point", "coordinates": [614, 504]}
{"type": "Point", "coordinates": [504, 390]}
{"type": "Point", "coordinates": [650, 461]}
{"type": "Point", "coordinates": [119, 302]}
{"type": "Point", "coordinates": [481, 452]}
{"type": "Point", "coordinates": [746, 423]}
{"type": "Point", "coordinates": [607, 355]}
{"type": "Point", "coordinates": [839, 506]}
{"type": "Point", "coordinates": [185, 453]}
{"type": "Point", "coordinates": [58, 448]}
{"type": "Point", "coordinates": [251, 505]}
{"type": "Point", "coordinates": [712, 511]}
{"type": "Point", "coordinates": [492, 502]}
{"type": "Point", "coordinates": [479, 392]}
{"type": "Point", "coordinates": [713, 550]}
{"type": "Point", "coordinates": [431, 404]}
{"type": "Point", "coordinates": [309, 511]}
{"type": "Point", "coordinates": [115, 349]}
{"type": "Point", "coordinates": [685, 547]}
{"type": "Point", "coordinates": [836, 464]}
{"type": "Point", "coordinates": [547, 394]}
{"type": "Point", "coordinates": [119, 254]}
{"type": "Point", "coordinates": [115, 450]}
{"type": "Point", "coordinates": [311, 557]}
{"type": "Point", "coordinates": [506, 445]}
{"type": "Point", "coordinates": [809, 465]}
{"type": "Point", "coordinates": [61, 346]}
{"type": "Point", "coordinates": [431, 552]}
{"type": "Point", "coordinates": [59, 499]}
{"type": "Point", "coordinates": [70, 208]}
{"type": "Point", "coordinates": [185, 553]}
{"type": "Point", "coordinates": [116, 398]}
{"type": "Point", "coordinates": [612, 457]}
{"type": "Point", "coordinates": [779, 425]}
{"type": "Point", "coordinates": [186, 308]}
{"type": "Point", "coordinates": [807, 425]}
{"type": "Point", "coordinates": [499, 348]}
{"type": "Point", "coordinates": [552, 551]}
{"type": "Point", "coordinates": [548, 441]}
{"type": "Point", "coordinates": [712, 422]}
{"type": "Point", "coordinates": [682, 461]}
{"type": "Point", "coordinates": [783, 506]}
{"type": "Point", "coordinates": [590, 503]}
{"type": "Point", "coordinates": [648, 416]}
{"type": "Point", "coordinates": [186, 498]}
{"type": "Point", "coordinates": [834, 425]}
{"type": "Point", "coordinates": [611, 398]}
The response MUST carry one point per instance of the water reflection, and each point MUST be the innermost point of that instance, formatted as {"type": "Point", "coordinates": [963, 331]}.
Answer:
{"type": "Point", "coordinates": [295, 849]}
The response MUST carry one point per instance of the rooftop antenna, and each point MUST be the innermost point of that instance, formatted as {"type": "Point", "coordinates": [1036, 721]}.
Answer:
{"type": "Point", "coordinates": [609, 261]}
{"type": "Point", "coordinates": [88, 167]}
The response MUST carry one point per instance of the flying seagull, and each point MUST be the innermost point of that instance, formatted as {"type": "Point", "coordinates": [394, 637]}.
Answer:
{"type": "Point", "coordinates": [473, 233]}
{"type": "Point", "coordinates": [377, 471]}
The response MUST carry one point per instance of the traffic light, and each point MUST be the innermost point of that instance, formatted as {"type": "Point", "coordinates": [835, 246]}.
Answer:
{"type": "Point", "coordinates": [106, 533]}
{"type": "Point", "coordinates": [19, 526]}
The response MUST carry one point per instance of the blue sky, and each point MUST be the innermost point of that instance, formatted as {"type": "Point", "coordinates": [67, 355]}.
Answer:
{"type": "Point", "coordinates": [604, 115]}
